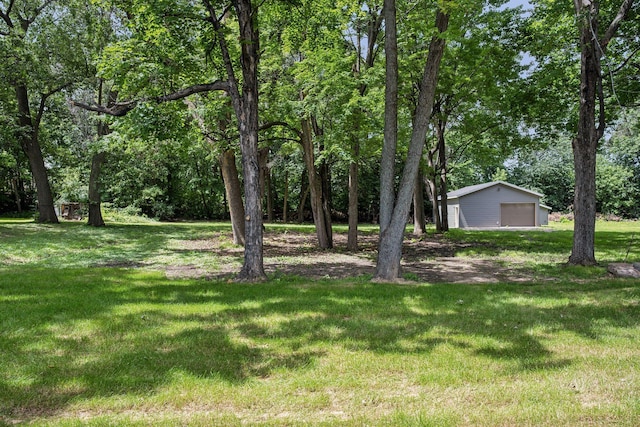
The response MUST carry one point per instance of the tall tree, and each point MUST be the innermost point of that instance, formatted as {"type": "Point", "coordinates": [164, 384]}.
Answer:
{"type": "Point", "coordinates": [242, 90]}
{"type": "Point", "coordinates": [394, 210]}
{"type": "Point", "coordinates": [244, 100]}
{"type": "Point", "coordinates": [593, 43]}
{"type": "Point", "coordinates": [33, 50]}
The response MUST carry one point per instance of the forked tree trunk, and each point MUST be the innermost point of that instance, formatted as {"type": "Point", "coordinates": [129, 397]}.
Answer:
{"type": "Point", "coordinates": [28, 136]}
{"type": "Point", "coordinates": [392, 234]}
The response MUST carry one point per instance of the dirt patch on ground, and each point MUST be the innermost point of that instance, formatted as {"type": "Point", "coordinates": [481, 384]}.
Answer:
{"type": "Point", "coordinates": [430, 259]}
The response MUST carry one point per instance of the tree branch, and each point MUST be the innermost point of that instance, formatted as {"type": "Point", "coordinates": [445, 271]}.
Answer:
{"type": "Point", "coordinates": [283, 124]}
{"type": "Point", "coordinates": [626, 61]}
{"type": "Point", "coordinates": [5, 16]}
{"type": "Point", "coordinates": [625, 7]}
{"type": "Point", "coordinates": [43, 100]}
{"type": "Point", "coordinates": [120, 109]}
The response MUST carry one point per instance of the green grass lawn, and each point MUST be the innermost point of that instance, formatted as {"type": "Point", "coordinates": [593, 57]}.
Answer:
{"type": "Point", "coordinates": [90, 335]}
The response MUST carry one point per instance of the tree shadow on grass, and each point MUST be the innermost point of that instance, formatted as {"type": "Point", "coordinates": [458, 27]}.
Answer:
{"type": "Point", "coordinates": [115, 332]}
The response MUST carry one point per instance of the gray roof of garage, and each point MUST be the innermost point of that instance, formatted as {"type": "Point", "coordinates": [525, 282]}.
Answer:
{"type": "Point", "coordinates": [475, 188]}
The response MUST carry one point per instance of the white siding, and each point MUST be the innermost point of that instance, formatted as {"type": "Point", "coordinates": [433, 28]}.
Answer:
{"type": "Point", "coordinates": [453, 215]}
{"type": "Point", "coordinates": [543, 215]}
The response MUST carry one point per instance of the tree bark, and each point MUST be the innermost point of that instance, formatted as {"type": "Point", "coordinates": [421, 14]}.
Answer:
{"type": "Point", "coordinates": [433, 190]}
{"type": "Point", "coordinates": [15, 189]}
{"type": "Point", "coordinates": [352, 235]}
{"type": "Point", "coordinates": [233, 191]}
{"type": "Point", "coordinates": [285, 198]}
{"type": "Point", "coordinates": [591, 124]}
{"type": "Point", "coordinates": [28, 136]}
{"type": "Point", "coordinates": [419, 222]}
{"type": "Point", "coordinates": [95, 198]}
{"type": "Point", "coordinates": [389, 147]}
{"type": "Point", "coordinates": [246, 108]}
{"type": "Point", "coordinates": [374, 23]}
{"type": "Point", "coordinates": [95, 212]}
{"type": "Point", "coordinates": [442, 176]}
{"type": "Point", "coordinates": [321, 219]}
{"type": "Point", "coordinates": [391, 236]}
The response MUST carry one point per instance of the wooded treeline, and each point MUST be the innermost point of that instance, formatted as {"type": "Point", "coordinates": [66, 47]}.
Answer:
{"type": "Point", "coordinates": [276, 109]}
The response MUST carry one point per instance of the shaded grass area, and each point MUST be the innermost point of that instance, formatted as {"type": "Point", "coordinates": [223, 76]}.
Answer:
{"type": "Point", "coordinates": [73, 244]}
{"type": "Point", "coordinates": [86, 342]}
{"type": "Point", "coordinates": [131, 347]}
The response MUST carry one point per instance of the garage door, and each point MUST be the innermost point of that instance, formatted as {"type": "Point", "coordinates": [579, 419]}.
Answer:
{"type": "Point", "coordinates": [518, 214]}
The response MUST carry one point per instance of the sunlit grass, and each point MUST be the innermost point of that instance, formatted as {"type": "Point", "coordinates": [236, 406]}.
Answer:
{"type": "Point", "coordinates": [131, 347]}
{"type": "Point", "coordinates": [86, 342]}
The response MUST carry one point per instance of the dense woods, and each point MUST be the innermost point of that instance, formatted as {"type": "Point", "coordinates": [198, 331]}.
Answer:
{"type": "Point", "coordinates": [276, 110]}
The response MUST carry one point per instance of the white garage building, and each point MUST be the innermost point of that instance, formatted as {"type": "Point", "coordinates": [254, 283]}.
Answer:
{"type": "Point", "coordinates": [495, 204]}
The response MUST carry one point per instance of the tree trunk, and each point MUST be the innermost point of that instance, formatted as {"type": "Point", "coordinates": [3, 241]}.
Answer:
{"type": "Point", "coordinates": [391, 236]}
{"type": "Point", "coordinates": [318, 205]}
{"type": "Point", "coordinates": [433, 191]}
{"type": "Point", "coordinates": [442, 175]}
{"type": "Point", "coordinates": [352, 236]}
{"type": "Point", "coordinates": [304, 193]}
{"type": "Point", "coordinates": [95, 211]}
{"type": "Point", "coordinates": [15, 189]}
{"type": "Point", "coordinates": [388, 158]}
{"type": "Point", "coordinates": [233, 191]}
{"type": "Point", "coordinates": [95, 198]}
{"type": "Point", "coordinates": [247, 113]}
{"type": "Point", "coordinates": [419, 223]}
{"type": "Point", "coordinates": [31, 146]}
{"type": "Point", "coordinates": [270, 190]}
{"type": "Point", "coordinates": [285, 198]}
{"type": "Point", "coordinates": [591, 124]}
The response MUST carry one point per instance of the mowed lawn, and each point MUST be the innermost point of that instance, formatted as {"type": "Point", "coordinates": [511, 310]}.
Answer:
{"type": "Point", "coordinates": [92, 332]}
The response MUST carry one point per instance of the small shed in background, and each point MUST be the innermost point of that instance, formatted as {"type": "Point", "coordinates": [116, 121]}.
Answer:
{"type": "Point", "coordinates": [495, 204]}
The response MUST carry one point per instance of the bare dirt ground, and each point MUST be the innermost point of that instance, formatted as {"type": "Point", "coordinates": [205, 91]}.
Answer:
{"type": "Point", "coordinates": [429, 259]}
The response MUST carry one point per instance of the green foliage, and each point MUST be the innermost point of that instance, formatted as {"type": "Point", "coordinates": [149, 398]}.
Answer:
{"type": "Point", "coordinates": [548, 171]}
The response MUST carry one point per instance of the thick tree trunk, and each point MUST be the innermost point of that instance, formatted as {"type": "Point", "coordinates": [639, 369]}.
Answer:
{"type": "Point", "coordinates": [95, 198]}
{"type": "Point", "coordinates": [419, 222]}
{"type": "Point", "coordinates": [31, 146]}
{"type": "Point", "coordinates": [584, 146]}
{"type": "Point", "coordinates": [95, 211]}
{"type": "Point", "coordinates": [233, 191]}
{"type": "Point", "coordinates": [591, 124]}
{"type": "Point", "coordinates": [247, 113]}
{"type": "Point", "coordinates": [389, 147]}
{"type": "Point", "coordinates": [321, 219]}
{"type": "Point", "coordinates": [391, 237]}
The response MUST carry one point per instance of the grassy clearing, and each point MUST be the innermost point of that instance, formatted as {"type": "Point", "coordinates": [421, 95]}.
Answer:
{"type": "Point", "coordinates": [87, 342]}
